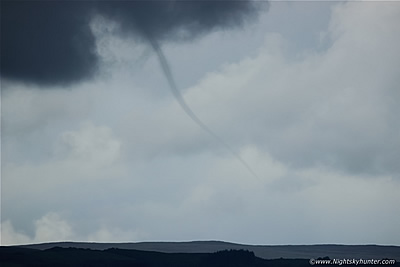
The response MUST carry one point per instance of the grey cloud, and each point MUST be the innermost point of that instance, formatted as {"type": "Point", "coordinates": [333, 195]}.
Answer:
{"type": "Point", "coordinates": [50, 43]}
{"type": "Point", "coordinates": [312, 129]}
{"type": "Point", "coordinates": [177, 20]}
{"type": "Point", "coordinates": [46, 42]}
{"type": "Point", "coordinates": [153, 21]}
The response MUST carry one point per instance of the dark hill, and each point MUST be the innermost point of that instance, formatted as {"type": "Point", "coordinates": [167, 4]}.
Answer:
{"type": "Point", "coordinates": [16, 256]}
{"type": "Point", "coordinates": [261, 251]}
{"type": "Point", "coordinates": [185, 254]}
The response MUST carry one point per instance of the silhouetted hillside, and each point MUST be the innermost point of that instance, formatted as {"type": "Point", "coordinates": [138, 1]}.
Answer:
{"type": "Point", "coordinates": [57, 256]}
{"type": "Point", "coordinates": [261, 251]}
{"type": "Point", "coordinates": [14, 256]}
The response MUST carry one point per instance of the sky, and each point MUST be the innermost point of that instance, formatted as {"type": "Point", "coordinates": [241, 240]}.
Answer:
{"type": "Point", "coordinates": [301, 99]}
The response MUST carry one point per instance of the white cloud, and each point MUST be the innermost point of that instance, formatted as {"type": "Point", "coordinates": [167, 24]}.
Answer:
{"type": "Point", "coordinates": [49, 228]}
{"type": "Point", "coordinates": [53, 228]}
{"type": "Point", "coordinates": [335, 107]}
{"type": "Point", "coordinates": [10, 237]}
{"type": "Point", "coordinates": [91, 143]}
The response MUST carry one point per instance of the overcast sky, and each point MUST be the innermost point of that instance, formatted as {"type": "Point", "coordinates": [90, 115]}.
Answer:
{"type": "Point", "coordinates": [95, 146]}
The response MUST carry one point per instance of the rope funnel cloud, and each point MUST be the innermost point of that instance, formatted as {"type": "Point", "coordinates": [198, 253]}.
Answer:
{"type": "Point", "coordinates": [63, 53]}
{"type": "Point", "coordinates": [179, 98]}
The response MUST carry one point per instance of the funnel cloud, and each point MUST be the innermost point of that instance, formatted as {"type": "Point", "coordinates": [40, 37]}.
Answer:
{"type": "Point", "coordinates": [50, 43]}
{"type": "Point", "coordinates": [179, 98]}
{"type": "Point", "coordinates": [94, 147]}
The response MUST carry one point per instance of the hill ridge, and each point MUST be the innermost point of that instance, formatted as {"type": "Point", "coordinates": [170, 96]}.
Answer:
{"type": "Point", "coordinates": [370, 251]}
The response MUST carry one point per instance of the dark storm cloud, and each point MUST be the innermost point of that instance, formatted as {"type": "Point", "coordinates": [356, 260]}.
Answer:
{"type": "Point", "coordinates": [50, 42]}
{"type": "Point", "coordinates": [177, 20]}
{"type": "Point", "coordinates": [46, 42]}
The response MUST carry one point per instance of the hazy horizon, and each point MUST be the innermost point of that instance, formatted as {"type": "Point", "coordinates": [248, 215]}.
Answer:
{"type": "Point", "coordinates": [303, 98]}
